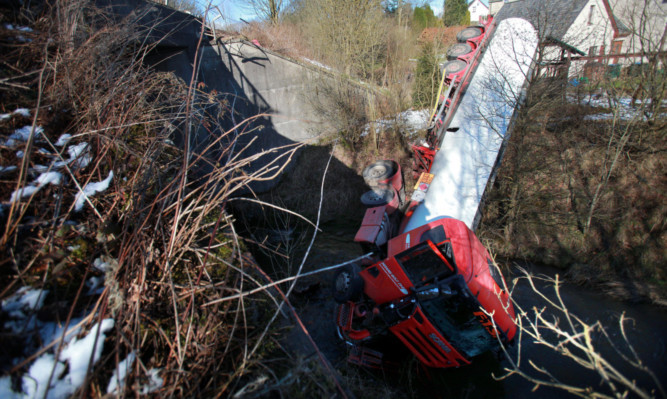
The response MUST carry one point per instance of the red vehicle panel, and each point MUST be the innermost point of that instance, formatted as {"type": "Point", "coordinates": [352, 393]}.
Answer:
{"type": "Point", "coordinates": [385, 281]}
{"type": "Point", "coordinates": [424, 340]}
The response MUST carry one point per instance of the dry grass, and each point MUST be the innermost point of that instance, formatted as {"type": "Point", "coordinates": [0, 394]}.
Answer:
{"type": "Point", "coordinates": [444, 36]}
{"type": "Point", "coordinates": [284, 38]}
{"type": "Point", "coordinates": [162, 223]}
{"type": "Point", "coordinates": [539, 208]}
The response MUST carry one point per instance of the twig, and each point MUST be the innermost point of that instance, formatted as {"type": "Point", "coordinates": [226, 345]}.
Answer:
{"type": "Point", "coordinates": [291, 278]}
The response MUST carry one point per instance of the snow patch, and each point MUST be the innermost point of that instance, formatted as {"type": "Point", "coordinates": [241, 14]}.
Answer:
{"type": "Point", "coordinates": [49, 178]}
{"type": "Point", "coordinates": [6, 389]}
{"type": "Point", "coordinates": [94, 284]}
{"type": "Point", "coordinates": [24, 192]}
{"type": "Point", "coordinates": [78, 353]}
{"type": "Point", "coordinates": [318, 64]}
{"type": "Point", "coordinates": [154, 383]}
{"type": "Point", "coordinates": [25, 112]}
{"type": "Point", "coordinates": [35, 383]}
{"type": "Point", "coordinates": [21, 308]}
{"type": "Point", "coordinates": [410, 122]}
{"type": "Point", "coordinates": [79, 155]}
{"type": "Point", "coordinates": [43, 179]}
{"type": "Point", "coordinates": [91, 189]}
{"type": "Point", "coordinates": [24, 133]}
{"type": "Point", "coordinates": [622, 108]}
{"type": "Point", "coordinates": [117, 382]}
{"type": "Point", "coordinates": [49, 332]}
{"type": "Point", "coordinates": [63, 139]}
{"type": "Point", "coordinates": [25, 299]}
{"type": "Point", "coordinates": [101, 265]}
{"type": "Point", "coordinates": [7, 169]}
{"type": "Point", "coordinates": [39, 169]}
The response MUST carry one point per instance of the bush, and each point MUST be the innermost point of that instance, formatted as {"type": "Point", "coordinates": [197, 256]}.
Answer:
{"type": "Point", "coordinates": [160, 225]}
{"type": "Point", "coordinates": [427, 77]}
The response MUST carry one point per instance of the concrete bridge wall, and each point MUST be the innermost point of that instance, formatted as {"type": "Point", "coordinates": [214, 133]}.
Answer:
{"type": "Point", "coordinates": [250, 80]}
{"type": "Point", "coordinates": [286, 87]}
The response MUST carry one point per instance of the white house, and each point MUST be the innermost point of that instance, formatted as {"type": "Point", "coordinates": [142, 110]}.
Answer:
{"type": "Point", "coordinates": [495, 6]}
{"type": "Point", "coordinates": [479, 9]}
{"type": "Point", "coordinates": [643, 24]}
{"type": "Point", "coordinates": [573, 33]}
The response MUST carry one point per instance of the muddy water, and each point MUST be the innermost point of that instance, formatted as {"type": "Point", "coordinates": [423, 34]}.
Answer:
{"type": "Point", "coordinates": [646, 330]}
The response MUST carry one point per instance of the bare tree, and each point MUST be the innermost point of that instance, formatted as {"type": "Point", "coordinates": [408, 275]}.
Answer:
{"type": "Point", "coordinates": [349, 34]}
{"type": "Point", "coordinates": [268, 9]}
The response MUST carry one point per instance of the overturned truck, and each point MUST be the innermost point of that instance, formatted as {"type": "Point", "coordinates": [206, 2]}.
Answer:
{"type": "Point", "coordinates": [431, 283]}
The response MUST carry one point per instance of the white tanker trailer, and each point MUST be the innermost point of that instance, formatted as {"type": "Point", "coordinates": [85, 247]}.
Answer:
{"type": "Point", "coordinates": [431, 283]}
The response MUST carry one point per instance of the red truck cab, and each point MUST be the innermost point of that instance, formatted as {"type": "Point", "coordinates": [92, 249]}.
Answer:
{"type": "Point", "coordinates": [435, 288]}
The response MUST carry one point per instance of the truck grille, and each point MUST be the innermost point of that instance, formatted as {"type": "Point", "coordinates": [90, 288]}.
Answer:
{"type": "Point", "coordinates": [426, 343]}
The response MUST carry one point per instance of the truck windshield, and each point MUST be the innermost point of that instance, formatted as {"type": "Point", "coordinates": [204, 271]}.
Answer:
{"type": "Point", "coordinates": [424, 262]}
{"type": "Point", "coordinates": [456, 315]}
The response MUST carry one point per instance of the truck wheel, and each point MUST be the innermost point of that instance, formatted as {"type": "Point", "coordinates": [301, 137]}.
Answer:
{"type": "Point", "coordinates": [348, 285]}
{"type": "Point", "coordinates": [453, 66]}
{"type": "Point", "coordinates": [378, 196]}
{"type": "Point", "coordinates": [379, 171]}
{"type": "Point", "coordinates": [468, 33]}
{"type": "Point", "coordinates": [458, 50]}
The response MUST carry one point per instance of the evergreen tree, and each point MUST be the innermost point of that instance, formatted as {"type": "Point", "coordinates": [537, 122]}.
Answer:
{"type": "Point", "coordinates": [423, 17]}
{"type": "Point", "coordinates": [455, 12]}
{"type": "Point", "coordinates": [427, 77]}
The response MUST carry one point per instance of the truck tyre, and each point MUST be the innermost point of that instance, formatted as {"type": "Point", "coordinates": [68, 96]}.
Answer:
{"type": "Point", "coordinates": [378, 196]}
{"type": "Point", "coordinates": [453, 66]}
{"type": "Point", "coordinates": [468, 33]}
{"type": "Point", "coordinates": [458, 50]}
{"type": "Point", "coordinates": [379, 171]}
{"type": "Point", "coordinates": [347, 284]}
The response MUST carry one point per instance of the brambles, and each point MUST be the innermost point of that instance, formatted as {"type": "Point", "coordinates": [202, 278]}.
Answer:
{"type": "Point", "coordinates": [151, 244]}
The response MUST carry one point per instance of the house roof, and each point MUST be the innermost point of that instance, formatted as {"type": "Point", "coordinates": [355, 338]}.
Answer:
{"type": "Point", "coordinates": [623, 29]}
{"type": "Point", "coordinates": [564, 45]}
{"type": "Point", "coordinates": [485, 2]}
{"type": "Point", "coordinates": [551, 18]}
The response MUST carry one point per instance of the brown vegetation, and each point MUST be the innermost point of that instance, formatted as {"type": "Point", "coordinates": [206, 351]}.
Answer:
{"type": "Point", "coordinates": [161, 225]}
{"type": "Point", "coordinates": [446, 36]}
{"type": "Point", "coordinates": [286, 39]}
{"type": "Point", "coordinates": [584, 195]}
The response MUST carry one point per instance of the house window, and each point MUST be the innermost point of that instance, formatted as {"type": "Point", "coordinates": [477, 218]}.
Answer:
{"type": "Point", "coordinates": [592, 51]}
{"type": "Point", "coordinates": [617, 46]}
{"type": "Point", "coordinates": [590, 15]}
{"type": "Point", "coordinates": [602, 50]}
